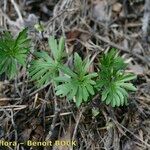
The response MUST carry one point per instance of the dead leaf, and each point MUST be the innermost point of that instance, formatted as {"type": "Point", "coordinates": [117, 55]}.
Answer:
{"type": "Point", "coordinates": [38, 133]}
{"type": "Point", "coordinates": [117, 7]}
{"type": "Point", "coordinates": [73, 34]}
{"type": "Point", "coordinates": [137, 69]}
{"type": "Point", "coordinates": [100, 10]}
{"type": "Point", "coordinates": [91, 68]}
{"type": "Point", "coordinates": [116, 140]}
{"type": "Point", "coordinates": [65, 137]}
{"type": "Point", "coordinates": [137, 48]}
{"type": "Point", "coordinates": [122, 13]}
{"type": "Point", "coordinates": [130, 145]}
{"type": "Point", "coordinates": [4, 102]}
{"type": "Point", "coordinates": [125, 44]}
{"type": "Point", "coordinates": [84, 37]}
{"type": "Point", "coordinates": [1, 87]}
{"type": "Point", "coordinates": [26, 134]}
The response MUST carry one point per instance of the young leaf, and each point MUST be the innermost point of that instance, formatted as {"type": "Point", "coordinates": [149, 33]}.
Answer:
{"type": "Point", "coordinates": [81, 82]}
{"type": "Point", "coordinates": [112, 76]}
{"type": "Point", "coordinates": [45, 68]}
{"type": "Point", "coordinates": [13, 52]}
{"type": "Point", "coordinates": [53, 46]}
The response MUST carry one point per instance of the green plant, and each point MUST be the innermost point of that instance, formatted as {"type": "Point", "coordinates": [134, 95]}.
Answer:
{"type": "Point", "coordinates": [13, 52]}
{"type": "Point", "coordinates": [77, 84]}
{"type": "Point", "coordinates": [46, 67]}
{"type": "Point", "coordinates": [113, 82]}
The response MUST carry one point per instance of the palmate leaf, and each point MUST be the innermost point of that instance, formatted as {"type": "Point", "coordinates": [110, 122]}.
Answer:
{"type": "Point", "coordinates": [78, 97]}
{"type": "Point", "coordinates": [111, 61]}
{"type": "Point", "coordinates": [13, 52]}
{"type": "Point", "coordinates": [22, 40]}
{"type": "Point", "coordinates": [68, 71]}
{"type": "Point", "coordinates": [117, 97]}
{"type": "Point", "coordinates": [8, 66]}
{"type": "Point", "coordinates": [53, 46]}
{"type": "Point", "coordinates": [63, 89]}
{"type": "Point", "coordinates": [78, 64]}
{"type": "Point", "coordinates": [77, 84]}
{"type": "Point", "coordinates": [57, 48]}
{"type": "Point", "coordinates": [126, 77]}
{"type": "Point", "coordinates": [113, 82]}
{"type": "Point", "coordinates": [45, 68]}
{"type": "Point", "coordinates": [85, 93]}
{"type": "Point", "coordinates": [81, 67]}
{"type": "Point", "coordinates": [128, 86]}
{"type": "Point", "coordinates": [90, 88]}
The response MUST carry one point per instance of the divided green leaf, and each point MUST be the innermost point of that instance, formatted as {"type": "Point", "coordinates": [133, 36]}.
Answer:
{"type": "Point", "coordinates": [113, 82]}
{"type": "Point", "coordinates": [13, 52]}
{"type": "Point", "coordinates": [45, 67]}
{"type": "Point", "coordinates": [77, 84]}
